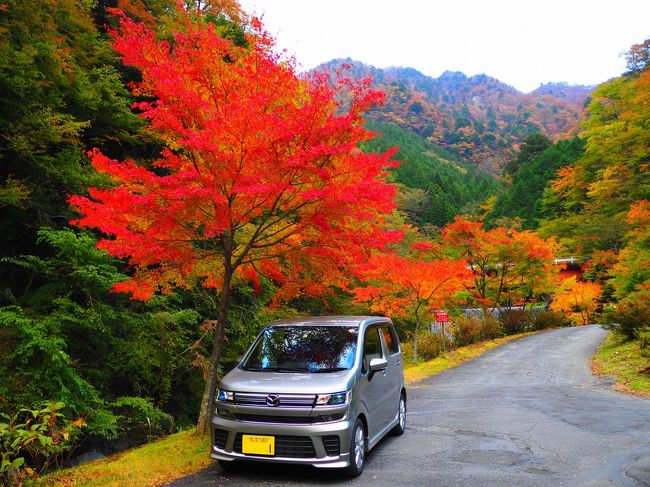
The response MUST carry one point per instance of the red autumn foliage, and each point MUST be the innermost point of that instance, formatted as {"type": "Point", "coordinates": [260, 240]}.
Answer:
{"type": "Point", "coordinates": [261, 174]}
{"type": "Point", "coordinates": [405, 286]}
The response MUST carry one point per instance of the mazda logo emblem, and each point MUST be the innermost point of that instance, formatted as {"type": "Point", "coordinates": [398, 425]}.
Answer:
{"type": "Point", "coordinates": [273, 400]}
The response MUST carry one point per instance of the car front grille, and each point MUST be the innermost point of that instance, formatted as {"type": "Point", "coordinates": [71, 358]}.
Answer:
{"type": "Point", "coordinates": [284, 400]}
{"type": "Point", "coordinates": [286, 446]}
{"type": "Point", "coordinates": [220, 438]}
{"type": "Point", "coordinates": [268, 418]}
{"type": "Point", "coordinates": [263, 418]}
{"type": "Point", "coordinates": [332, 445]}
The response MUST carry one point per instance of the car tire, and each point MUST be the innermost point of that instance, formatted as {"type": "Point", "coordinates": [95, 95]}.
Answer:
{"type": "Point", "coordinates": [357, 450]}
{"type": "Point", "coordinates": [401, 412]}
{"type": "Point", "coordinates": [228, 466]}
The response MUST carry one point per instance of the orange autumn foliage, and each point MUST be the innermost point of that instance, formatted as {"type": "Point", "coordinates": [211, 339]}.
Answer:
{"type": "Point", "coordinates": [579, 299]}
{"type": "Point", "coordinates": [403, 286]}
{"type": "Point", "coordinates": [507, 266]}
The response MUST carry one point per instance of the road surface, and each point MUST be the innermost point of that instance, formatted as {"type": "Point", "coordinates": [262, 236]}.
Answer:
{"type": "Point", "coordinates": [528, 413]}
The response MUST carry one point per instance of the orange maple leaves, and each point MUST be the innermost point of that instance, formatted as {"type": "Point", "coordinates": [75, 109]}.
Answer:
{"type": "Point", "coordinates": [508, 266]}
{"type": "Point", "coordinates": [403, 285]}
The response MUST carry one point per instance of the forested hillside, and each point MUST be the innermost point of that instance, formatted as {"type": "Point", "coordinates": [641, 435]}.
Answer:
{"type": "Point", "coordinates": [592, 194]}
{"type": "Point", "coordinates": [480, 118]}
{"type": "Point", "coordinates": [533, 168]}
{"type": "Point", "coordinates": [437, 184]}
{"type": "Point", "coordinates": [112, 363]}
{"type": "Point", "coordinates": [588, 202]}
{"type": "Point", "coordinates": [599, 206]}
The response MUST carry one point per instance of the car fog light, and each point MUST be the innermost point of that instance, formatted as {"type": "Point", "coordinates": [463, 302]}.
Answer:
{"type": "Point", "coordinates": [224, 413]}
{"type": "Point", "coordinates": [328, 418]}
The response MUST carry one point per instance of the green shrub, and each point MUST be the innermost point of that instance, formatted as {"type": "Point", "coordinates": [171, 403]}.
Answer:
{"type": "Point", "coordinates": [630, 315]}
{"type": "Point", "coordinates": [139, 421]}
{"type": "Point", "coordinates": [430, 345]}
{"type": "Point", "coordinates": [407, 351]}
{"type": "Point", "coordinates": [549, 319]}
{"type": "Point", "coordinates": [644, 341]}
{"type": "Point", "coordinates": [31, 441]}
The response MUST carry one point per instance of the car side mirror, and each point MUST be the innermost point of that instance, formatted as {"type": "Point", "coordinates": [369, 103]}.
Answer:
{"type": "Point", "coordinates": [378, 364]}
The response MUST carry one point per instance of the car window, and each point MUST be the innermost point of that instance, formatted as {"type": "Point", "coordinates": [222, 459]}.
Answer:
{"type": "Point", "coordinates": [390, 337]}
{"type": "Point", "coordinates": [303, 349]}
{"type": "Point", "coordinates": [371, 346]}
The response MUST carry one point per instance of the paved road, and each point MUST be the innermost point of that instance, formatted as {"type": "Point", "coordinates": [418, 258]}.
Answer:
{"type": "Point", "coordinates": [528, 413]}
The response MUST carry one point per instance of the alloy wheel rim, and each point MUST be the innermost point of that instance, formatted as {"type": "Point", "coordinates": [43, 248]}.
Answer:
{"type": "Point", "coordinates": [358, 447]}
{"type": "Point", "coordinates": [402, 413]}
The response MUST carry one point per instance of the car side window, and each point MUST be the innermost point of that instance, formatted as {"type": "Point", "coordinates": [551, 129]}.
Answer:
{"type": "Point", "coordinates": [390, 337]}
{"type": "Point", "coordinates": [371, 346]}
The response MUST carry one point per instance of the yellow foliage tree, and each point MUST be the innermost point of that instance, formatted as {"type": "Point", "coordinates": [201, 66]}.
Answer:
{"type": "Point", "coordinates": [579, 299]}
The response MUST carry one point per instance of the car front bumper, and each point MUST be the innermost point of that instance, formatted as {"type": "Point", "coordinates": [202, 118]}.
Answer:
{"type": "Point", "coordinates": [226, 442]}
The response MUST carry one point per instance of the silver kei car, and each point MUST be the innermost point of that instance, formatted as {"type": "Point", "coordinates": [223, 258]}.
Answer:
{"type": "Point", "coordinates": [316, 391]}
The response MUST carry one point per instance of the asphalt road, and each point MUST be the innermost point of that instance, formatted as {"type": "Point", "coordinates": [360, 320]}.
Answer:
{"type": "Point", "coordinates": [529, 413]}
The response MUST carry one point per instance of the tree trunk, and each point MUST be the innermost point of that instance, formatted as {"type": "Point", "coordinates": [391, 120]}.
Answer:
{"type": "Point", "coordinates": [415, 342]}
{"type": "Point", "coordinates": [207, 402]}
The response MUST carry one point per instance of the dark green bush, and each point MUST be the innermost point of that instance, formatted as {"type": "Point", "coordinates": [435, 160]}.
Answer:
{"type": "Point", "coordinates": [139, 420]}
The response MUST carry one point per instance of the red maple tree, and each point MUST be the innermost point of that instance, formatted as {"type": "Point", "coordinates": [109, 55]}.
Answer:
{"type": "Point", "coordinates": [410, 285]}
{"type": "Point", "coordinates": [261, 174]}
{"type": "Point", "coordinates": [508, 266]}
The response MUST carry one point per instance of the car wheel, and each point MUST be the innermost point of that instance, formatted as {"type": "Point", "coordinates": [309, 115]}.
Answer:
{"type": "Point", "coordinates": [357, 450]}
{"type": "Point", "coordinates": [228, 466]}
{"type": "Point", "coordinates": [401, 425]}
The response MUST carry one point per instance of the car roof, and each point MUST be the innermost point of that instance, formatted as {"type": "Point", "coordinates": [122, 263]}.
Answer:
{"type": "Point", "coordinates": [349, 321]}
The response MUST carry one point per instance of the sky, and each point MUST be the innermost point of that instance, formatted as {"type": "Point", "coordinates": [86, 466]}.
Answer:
{"type": "Point", "coordinates": [523, 43]}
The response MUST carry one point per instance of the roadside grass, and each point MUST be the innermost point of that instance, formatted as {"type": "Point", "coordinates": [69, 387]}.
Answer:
{"type": "Point", "coordinates": [186, 452]}
{"type": "Point", "coordinates": [423, 370]}
{"type": "Point", "coordinates": [623, 360]}
{"type": "Point", "coordinates": [152, 464]}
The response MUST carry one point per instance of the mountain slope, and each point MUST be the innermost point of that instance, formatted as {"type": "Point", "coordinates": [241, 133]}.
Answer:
{"type": "Point", "coordinates": [437, 184]}
{"type": "Point", "coordinates": [523, 199]}
{"type": "Point", "coordinates": [479, 117]}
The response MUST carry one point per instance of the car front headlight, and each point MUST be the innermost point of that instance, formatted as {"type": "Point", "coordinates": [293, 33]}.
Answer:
{"type": "Point", "coordinates": [225, 396]}
{"type": "Point", "coordinates": [336, 399]}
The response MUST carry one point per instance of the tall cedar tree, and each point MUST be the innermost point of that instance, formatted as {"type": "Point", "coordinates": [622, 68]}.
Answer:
{"type": "Point", "coordinates": [261, 175]}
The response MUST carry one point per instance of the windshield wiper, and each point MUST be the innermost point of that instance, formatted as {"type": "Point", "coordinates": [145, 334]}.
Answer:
{"type": "Point", "coordinates": [275, 369]}
{"type": "Point", "coordinates": [330, 369]}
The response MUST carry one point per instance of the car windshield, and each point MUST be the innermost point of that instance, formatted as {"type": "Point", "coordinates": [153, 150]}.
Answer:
{"type": "Point", "coordinates": [303, 349]}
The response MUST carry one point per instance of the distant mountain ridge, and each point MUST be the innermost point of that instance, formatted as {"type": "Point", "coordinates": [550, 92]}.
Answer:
{"type": "Point", "coordinates": [573, 93]}
{"type": "Point", "coordinates": [479, 117]}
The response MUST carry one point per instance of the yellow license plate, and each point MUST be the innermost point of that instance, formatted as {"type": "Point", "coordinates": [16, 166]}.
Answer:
{"type": "Point", "coordinates": [258, 445]}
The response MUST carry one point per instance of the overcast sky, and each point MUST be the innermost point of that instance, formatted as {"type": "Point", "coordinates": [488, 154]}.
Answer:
{"type": "Point", "coordinates": [521, 42]}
